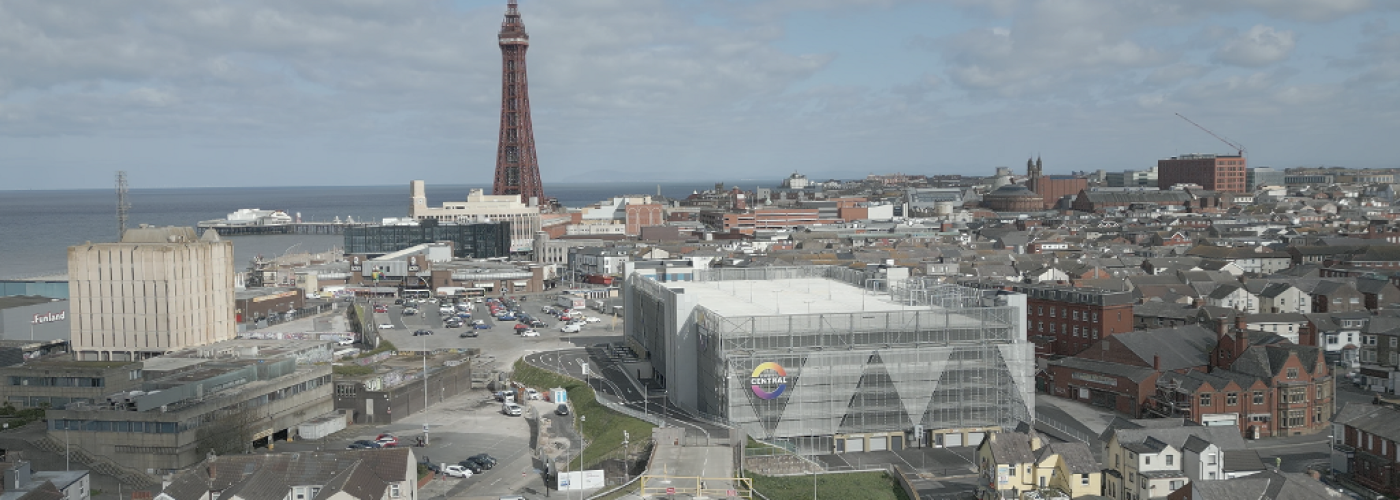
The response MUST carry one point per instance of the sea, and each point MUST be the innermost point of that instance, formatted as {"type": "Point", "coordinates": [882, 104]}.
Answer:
{"type": "Point", "coordinates": [37, 227]}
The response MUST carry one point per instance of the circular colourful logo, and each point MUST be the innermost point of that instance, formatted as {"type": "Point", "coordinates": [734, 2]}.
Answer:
{"type": "Point", "coordinates": [758, 379]}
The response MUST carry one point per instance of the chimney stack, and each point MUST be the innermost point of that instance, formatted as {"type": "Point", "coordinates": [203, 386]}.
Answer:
{"type": "Point", "coordinates": [1156, 362]}
{"type": "Point", "coordinates": [1240, 321]}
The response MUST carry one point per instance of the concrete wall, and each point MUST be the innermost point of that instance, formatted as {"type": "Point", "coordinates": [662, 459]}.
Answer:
{"type": "Point", "coordinates": [134, 300]}
{"type": "Point", "coordinates": [383, 407]}
{"type": "Point", "coordinates": [176, 450]}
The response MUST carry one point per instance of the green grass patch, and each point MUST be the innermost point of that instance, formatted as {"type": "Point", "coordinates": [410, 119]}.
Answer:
{"type": "Point", "coordinates": [384, 346]}
{"type": "Point", "coordinates": [603, 428]}
{"type": "Point", "coordinates": [351, 370]}
{"type": "Point", "coordinates": [862, 485]}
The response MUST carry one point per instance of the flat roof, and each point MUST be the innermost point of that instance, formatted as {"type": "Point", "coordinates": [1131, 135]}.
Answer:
{"type": "Point", "coordinates": [788, 296]}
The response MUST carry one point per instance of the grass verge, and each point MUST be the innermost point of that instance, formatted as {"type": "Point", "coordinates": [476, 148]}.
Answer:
{"type": "Point", "coordinates": [603, 428]}
{"type": "Point", "coordinates": [862, 485]}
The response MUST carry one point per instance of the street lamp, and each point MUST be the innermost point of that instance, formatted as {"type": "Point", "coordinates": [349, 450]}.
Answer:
{"type": "Point", "coordinates": [425, 390]}
{"type": "Point", "coordinates": [581, 420]}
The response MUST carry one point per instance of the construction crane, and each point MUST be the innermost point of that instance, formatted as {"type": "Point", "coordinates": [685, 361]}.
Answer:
{"type": "Point", "coordinates": [1239, 148]}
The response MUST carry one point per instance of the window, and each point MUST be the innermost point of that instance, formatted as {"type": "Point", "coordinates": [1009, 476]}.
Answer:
{"type": "Point", "coordinates": [1147, 460]}
{"type": "Point", "coordinates": [1039, 310]}
{"type": "Point", "coordinates": [1174, 485]}
{"type": "Point", "coordinates": [1083, 479]}
{"type": "Point", "coordinates": [1076, 330]}
{"type": "Point", "coordinates": [1210, 459]}
{"type": "Point", "coordinates": [394, 491]}
{"type": "Point", "coordinates": [1292, 373]}
{"type": "Point", "coordinates": [1096, 316]}
{"type": "Point", "coordinates": [1171, 459]}
{"type": "Point", "coordinates": [1052, 328]}
{"type": "Point", "coordinates": [1297, 395]}
{"type": "Point", "coordinates": [1076, 315]}
{"type": "Point", "coordinates": [1395, 341]}
{"type": "Point", "coordinates": [1232, 399]}
{"type": "Point", "coordinates": [1205, 399]}
{"type": "Point", "coordinates": [1052, 312]}
{"type": "Point", "coordinates": [1296, 418]}
{"type": "Point", "coordinates": [1040, 326]}
{"type": "Point", "coordinates": [1096, 333]}
{"type": "Point", "coordinates": [1355, 300]}
{"type": "Point", "coordinates": [1331, 339]}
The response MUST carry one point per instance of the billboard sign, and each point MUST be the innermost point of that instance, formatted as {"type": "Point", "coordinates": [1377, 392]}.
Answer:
{"type": "Point", "coordinates": [768, 380]}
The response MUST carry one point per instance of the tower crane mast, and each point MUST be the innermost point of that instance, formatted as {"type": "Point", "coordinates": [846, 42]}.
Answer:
{"type": "Point", "coordinates": [1239, 148]}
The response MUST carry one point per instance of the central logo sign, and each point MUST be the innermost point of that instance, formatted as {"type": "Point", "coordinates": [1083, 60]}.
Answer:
{"type": "Point", "coordinates": [761, 378]}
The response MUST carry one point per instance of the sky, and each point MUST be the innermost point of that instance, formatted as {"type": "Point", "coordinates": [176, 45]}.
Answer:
{"type": "Point", "coordinates": [206, 93]}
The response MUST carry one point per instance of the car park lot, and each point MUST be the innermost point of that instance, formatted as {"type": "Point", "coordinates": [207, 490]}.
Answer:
{"type": "Point", "coordinates": [460, 427]}
{"type": "Point", "coordinates": [501, 341]}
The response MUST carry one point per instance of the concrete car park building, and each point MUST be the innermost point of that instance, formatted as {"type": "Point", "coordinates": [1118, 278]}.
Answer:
{"type": "Point", "coordinates": [219, 398]}
{"type": "Point", "coordinates": [827, 359]}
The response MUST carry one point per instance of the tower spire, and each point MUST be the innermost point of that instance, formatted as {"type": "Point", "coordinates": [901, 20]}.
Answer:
{"type": "Point", "coordinates": [517, 168]}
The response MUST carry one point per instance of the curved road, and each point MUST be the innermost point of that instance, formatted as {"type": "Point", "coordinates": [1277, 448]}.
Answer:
{"type": "Point", "coordinates": [610, 380]}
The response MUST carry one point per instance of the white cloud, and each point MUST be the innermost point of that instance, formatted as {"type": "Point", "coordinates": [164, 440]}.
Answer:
{"type": "Point", "coordinates": [1260, 46]}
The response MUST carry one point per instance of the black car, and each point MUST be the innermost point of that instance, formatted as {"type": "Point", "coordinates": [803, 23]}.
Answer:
{"type": "Point", "coordinates": [471, 465]}
{"type": "Point", "coordinates": [563, 409]}
{"type": "Point", "coordinates": [422, 332]}
{"type": "Point", "coordinates": [484, 460]}
{"type": "Point", "coordinates": [398, 302]}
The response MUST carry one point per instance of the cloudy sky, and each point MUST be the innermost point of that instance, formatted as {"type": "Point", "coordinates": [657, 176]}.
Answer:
{"type": "Point", "coordinates": [374, 92]}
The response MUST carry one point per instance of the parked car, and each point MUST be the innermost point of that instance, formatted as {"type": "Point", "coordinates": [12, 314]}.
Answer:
{"type": "Point", "coordinates": [398, 302]}
{"type": "Point", "coordinates": [471, 466]}
{"type": "Point", "coordinates": [387, 441]}
{"type": "Point", "coordinates": [511, 409]}
{"type": "Point", "coordinates": [422, 332]}
{"type": "Point", "coordinates": [529, 333]}
{"type": "Point", "coordinates": [486, 461]}
{"type": "Point", "coordinates": [363, 444]}
{"type": "Point", "coordinates": [457, 471]}
{"type": "Point", "coordinates": [532, 394]}
{"type": "Point", "coordinates": [469, 334]}
{"type": "Point", "coordinates": [519, 327]}
{"type": "Point", "coordinates": [592, 319]}
{"type": "Point", "coordinates": [409, 311]}
{"type": "Point", "coordinates": [386, 326]}
{"type": "Point", "coordinates": [570, 328]}
{"type": "Point", "coordinates": [563, 409]}
{"type": "Point", "coordinates": [482, 326]}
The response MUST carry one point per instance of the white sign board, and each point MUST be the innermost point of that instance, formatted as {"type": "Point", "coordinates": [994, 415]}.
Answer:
{"type": "Point", "coordinates": [584, 480]}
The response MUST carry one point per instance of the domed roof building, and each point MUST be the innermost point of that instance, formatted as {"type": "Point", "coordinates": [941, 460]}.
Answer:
{"type": "Point", "coordinates": [1013, 198]}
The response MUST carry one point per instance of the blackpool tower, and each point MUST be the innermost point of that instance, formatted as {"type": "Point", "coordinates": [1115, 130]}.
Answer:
{"type": "Point", "coordinates": [517, 169]}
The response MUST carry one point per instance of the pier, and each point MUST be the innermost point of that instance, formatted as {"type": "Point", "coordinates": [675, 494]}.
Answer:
{"type": "Point", "coordinates": [225, 229]}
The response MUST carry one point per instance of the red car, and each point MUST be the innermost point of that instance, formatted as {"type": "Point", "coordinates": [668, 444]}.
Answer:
{"type": "Point", "coordinates": [387, 441]}
{"type": "Point", "coordinates": [519, 326]}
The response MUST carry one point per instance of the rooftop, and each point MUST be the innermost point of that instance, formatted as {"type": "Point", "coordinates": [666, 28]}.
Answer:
{"type": "Point", "coordinates": [789, 296]}
{"type": "Point", "coordinates": [23, 300]}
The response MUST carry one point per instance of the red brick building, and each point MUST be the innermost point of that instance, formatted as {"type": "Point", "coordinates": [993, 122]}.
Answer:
{"type": "Point", "coordinates": [643, 215]}
{"type": "Point", "coordinates": [1075, 318]}
{"type": "Point", "coordinates": [1064, 320]}
{"type": "Point", "coordinates": [1368, 438]}
{"type": "Point", "coordinates": [1216, 173]}
{"type": "Point", "coordinates": [1052, 188]}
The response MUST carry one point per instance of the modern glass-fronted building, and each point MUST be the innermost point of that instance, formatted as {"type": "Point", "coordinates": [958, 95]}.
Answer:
{"type": "Point", "coordinates": [469, 241]}
{"type": "Point", "coordinates": [827, 359]}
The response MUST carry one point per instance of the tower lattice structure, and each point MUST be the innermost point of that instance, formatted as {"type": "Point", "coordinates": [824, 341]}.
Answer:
{"type": "Point", "coordinates": [517, 168]}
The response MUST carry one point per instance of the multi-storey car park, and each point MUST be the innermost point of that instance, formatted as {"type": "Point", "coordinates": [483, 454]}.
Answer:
{"type": "Point", "coordinates": [824, 359]}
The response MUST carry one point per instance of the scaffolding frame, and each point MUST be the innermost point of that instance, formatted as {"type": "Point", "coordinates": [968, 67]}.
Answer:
{"type": "Point", "coordinates": [953, 362]}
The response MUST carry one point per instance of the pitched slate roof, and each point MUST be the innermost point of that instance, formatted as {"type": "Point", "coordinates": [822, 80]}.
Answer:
{"type": "Point", "coordinates": [46, 491]}
{"type": "Point", "coordinates": [1077, 456]}
{"type": "Point", "coordinates": [1226, 437]}
{"type": "Point", "coordinates": [1242, 461]}
{"type": "Point", "coordinates": [1010, 448]}
{"type": "Point", "coordinates": [1266, 361]}
{"type": "Point", "coordinates": [1379, 420]}
{"type": "Point", "coordinates": [1181, 347]}
{"type": "Point", "coordinates": [1267, 485]}
{"type": "Point", "coordinates": [269, 477]}
{"type": "Point", "coordinates": [1133, 373]}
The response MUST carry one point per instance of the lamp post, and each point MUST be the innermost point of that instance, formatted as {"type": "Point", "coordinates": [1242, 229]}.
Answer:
{"type": "Point", "coordinates": [581, 420]}
{"type": "Point", "coordinates": [425, 390]}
